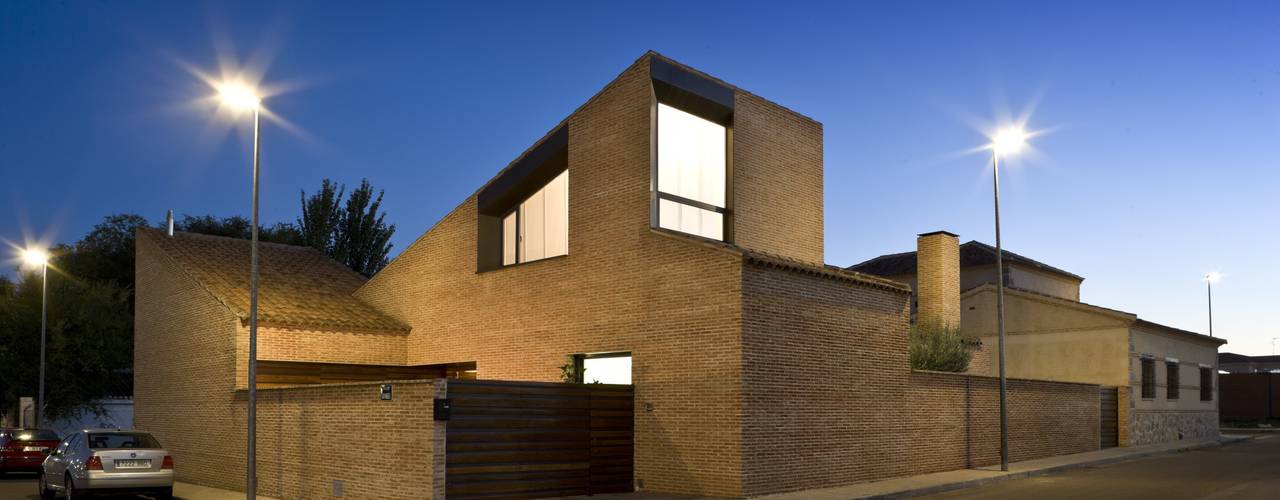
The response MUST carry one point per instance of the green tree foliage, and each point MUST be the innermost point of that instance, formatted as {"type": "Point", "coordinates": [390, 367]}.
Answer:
{"type": "Point", "coordinates": [355, 234]}
{"type": "Point", "coordinates": [321, 214]}
{"type": "Point", "coordinates": [939, 347]}
{"type": "Point", "coordinates": [89, 341]}
{"type": "Point", "coordinates": [239, 227]}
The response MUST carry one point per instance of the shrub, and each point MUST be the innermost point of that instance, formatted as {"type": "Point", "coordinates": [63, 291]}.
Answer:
{"type": "Point", "coordinates": [939, 347]}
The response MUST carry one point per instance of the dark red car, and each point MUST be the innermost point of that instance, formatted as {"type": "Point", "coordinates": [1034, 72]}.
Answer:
{"type": "Point", "coordinates": [23, 450]}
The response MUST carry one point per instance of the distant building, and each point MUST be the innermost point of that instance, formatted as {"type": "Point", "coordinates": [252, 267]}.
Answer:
{"type": "Point", "coordinates": [1238, 363]}
{"type": "Point", "coordinates": [1165, 376]}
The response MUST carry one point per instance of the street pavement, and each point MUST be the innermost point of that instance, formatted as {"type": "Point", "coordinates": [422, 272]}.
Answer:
{"type": "Point", "coordinates": [23, 487]}
{"type": "Point", "coordinates": [1245, 470]}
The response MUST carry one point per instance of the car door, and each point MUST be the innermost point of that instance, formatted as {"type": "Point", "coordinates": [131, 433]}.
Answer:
{"type": "Point", "coordinates": [56, 464]}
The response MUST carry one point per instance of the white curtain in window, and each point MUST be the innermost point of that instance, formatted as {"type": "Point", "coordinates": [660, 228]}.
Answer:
{"type": "Point", "coordinates": [691, 164]}
{"type": "Point", "coordinates": [539, 228]}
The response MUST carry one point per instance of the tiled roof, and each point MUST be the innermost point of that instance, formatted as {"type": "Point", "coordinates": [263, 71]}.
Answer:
{"type": "Point", "coordinates": [298, 287]}
{"type": "Point", "coordinates": [973, 253]}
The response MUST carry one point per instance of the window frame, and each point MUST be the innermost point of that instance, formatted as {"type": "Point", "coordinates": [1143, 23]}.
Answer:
{"type": "Point", "coordinates": [1173, 380]}
{"type": "Point", "coordinates": [1148, 383]}
{"type": "Point", "coordinates": [519, 219]}
{"type": "Point", "coordinates": [694, 94]}
{"type": "Point", "coordinates": [1206, 384]}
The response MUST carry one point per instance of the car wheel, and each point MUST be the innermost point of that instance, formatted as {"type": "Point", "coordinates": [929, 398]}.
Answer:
{"type": "Point", "coordinates": [72, 492]}
{"type": "Point", "coordinates": [45, 492]}
{"type": "Point", "coordinates": [164, 493]}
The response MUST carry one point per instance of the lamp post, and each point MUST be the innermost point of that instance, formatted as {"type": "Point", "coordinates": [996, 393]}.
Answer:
{"type": "Point", "coordinates": [243, 98]}
{"type": "Point", "coordinates": [1208, 283]}
{"type": "Point", "coordinates": [1006, 142]}
{"type": "Point", "coordinates": [37, 257]}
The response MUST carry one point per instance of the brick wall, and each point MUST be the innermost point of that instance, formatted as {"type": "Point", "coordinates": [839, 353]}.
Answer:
{"type": "Point", "coordinates": [184, 374]}
{"type": "Point", "coordinates": [830, 399]}
{"type": "Point", "coordinates": [938, 278]}
{"type": "Point", "coordinates": [308, 437]}
{"type": "Point", "coordinates": [673, 303]}
{"type": "Point", "coordinates": [777, 180]}
{"type": "Point", "coordinates": [277, 344]}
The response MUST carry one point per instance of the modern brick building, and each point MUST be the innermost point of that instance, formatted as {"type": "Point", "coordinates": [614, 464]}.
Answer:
{"type": "Point", "coordinates": [1165, 376]}
{"type": "Point", "coordinates": [668, 234]}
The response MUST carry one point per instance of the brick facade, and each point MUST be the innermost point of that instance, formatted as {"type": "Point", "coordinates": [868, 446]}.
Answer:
{"type": "Point", "coordinates": [938, 282]}
{"type": "Point", "coordinates": [756, 368]}
{"type": "Point", "coordinates": [185, 372]}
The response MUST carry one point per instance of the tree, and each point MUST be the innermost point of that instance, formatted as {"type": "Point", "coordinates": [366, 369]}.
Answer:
{"type": "Point", "coordinates": [239, 227]}
{"type": "Point", "coordinates": [105, 254]}
{"type": "Point", "coordinates": [355, 234]}
{"type": "Point", "coordinates": [321, 214]}
{"type": "Point", "coordinates": [89, 341]}
{"type": "Point", "coordinates": [938, 347]}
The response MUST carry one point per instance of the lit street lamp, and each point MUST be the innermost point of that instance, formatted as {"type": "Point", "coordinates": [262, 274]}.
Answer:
{"type": "Point", "coordinates": [1007, 142]}
{"type": "Point", "coordinates": [240, 97]}
{"type": "Point", "coordinates": [1208, 282]}
{"type": "Point", "coordinates": [36, 257]}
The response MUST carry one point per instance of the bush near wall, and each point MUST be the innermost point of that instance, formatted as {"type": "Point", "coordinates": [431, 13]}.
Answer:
{"type": "Point", "coordinates": [939, 347]}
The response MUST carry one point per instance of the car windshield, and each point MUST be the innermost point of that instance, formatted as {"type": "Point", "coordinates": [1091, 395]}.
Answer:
{"type": "Point", "coordinates": [35, 435]}
{"type": "Point", "coordinates": [110, 440]}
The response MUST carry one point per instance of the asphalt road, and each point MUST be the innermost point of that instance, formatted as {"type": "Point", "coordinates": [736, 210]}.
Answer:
{"type": "Point", "coordinates": [1246, 470]}
{"type": "Point", "coordinates": [18, 486]}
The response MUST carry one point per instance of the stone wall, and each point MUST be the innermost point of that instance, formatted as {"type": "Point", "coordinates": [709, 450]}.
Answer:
{"type": "Point", "coordinates": [1155, 426]}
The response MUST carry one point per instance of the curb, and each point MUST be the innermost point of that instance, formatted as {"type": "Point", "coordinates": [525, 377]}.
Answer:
{"type": "Point", "coordinates": [929, 490]}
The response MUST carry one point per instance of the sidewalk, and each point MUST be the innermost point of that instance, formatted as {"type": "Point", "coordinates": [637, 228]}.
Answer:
{"type": "Point", "coordinates": [953, 480]}
{"type": "Point", "coordinates": [187, 491]}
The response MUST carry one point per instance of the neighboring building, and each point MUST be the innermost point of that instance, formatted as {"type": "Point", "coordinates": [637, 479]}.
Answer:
{"type": "Point", "coordinates": [1239, 363]}
{"type": "Point", "coordinates": [1167, 375]}
{"type": "Point", "coordinates": [667, 234]}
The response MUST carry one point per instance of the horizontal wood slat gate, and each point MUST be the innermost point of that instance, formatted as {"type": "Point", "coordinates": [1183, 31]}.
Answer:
{"type": "Point", "coordinates": [1109, 421]}
{"type": "Point", "coordinates": [532, 440]}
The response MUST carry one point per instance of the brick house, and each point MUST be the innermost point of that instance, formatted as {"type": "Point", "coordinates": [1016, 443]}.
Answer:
{"type": "Point", "coordinates": [1166, 376]}
{"type": "Point", "coordinates": [668, 234]}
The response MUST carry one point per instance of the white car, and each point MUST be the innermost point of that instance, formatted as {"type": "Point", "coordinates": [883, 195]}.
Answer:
{"type": "Point", "coordinates": [107, 461]}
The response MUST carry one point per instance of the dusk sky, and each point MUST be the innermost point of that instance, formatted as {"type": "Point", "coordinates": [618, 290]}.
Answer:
{"type": "Point", "coordinates": [1158, 161]}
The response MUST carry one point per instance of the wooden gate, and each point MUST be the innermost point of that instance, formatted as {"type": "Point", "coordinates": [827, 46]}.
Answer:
{"type": "Point", "coordinates": [1109, 421]}
{"type": "Point", "coordinates": [532, 440]}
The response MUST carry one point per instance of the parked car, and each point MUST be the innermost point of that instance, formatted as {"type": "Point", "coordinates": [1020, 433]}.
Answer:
{"type": "Point", "coordinates": [108, 461]}
{"type": "Point", "coordinates": [23, 450]}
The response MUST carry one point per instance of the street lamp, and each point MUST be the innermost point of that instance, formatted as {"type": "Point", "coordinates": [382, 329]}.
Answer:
{"type": "Point", "coordinates": [1208, 283]}
{"type": "Point", "coordinates": [36, 257]}
{"type": "Point", "coordinates": [1006, 142]}
{"type": "Point", "coordinates": [242, 98]}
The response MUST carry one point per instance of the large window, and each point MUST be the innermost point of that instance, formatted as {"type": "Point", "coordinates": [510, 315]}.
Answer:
{"type": "Point", "coordinates": [1148, 378]}
{"type": "Point", "coordinates": [539, 227]}
{"type": "Point", "coordinates": [1171, 379]}
{"type": "Point", "coordinates": [692, 164]}
{"type": "Point", "coordinates": [1206, 384]}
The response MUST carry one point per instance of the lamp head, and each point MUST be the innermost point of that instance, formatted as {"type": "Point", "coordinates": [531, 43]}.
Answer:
{"type": "Point", "coordinates": [239, 96]}
{"type": "Point", "coordinates": [1009, 141]}
{"type": "Point", "coordinates": [1213, 277]}
{"type": "Point", "coordinates": [35, 257]}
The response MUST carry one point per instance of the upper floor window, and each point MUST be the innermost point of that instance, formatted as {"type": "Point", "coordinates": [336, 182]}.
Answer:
{"type": "Point", "coordinates": [692, 166]}
{"type": "Point", "coordinates": [1148, 378]}
{"type": "Point", "coordinates": [1171, 379]}
{"type": "Point", "coordinates": [1206, 384]}
{"type": "Point", "coordinates": [538, 227]}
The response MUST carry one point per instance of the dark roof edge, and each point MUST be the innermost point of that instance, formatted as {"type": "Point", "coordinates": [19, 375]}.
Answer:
{"type": "Point", "coordinates": [1179, 331]}
{"type": "Point", "coordinates": [948, 233]}
{"type": "Point", "coordinates": [768, 260]}
{"type": "Point", "coordinates": [1024, 260]}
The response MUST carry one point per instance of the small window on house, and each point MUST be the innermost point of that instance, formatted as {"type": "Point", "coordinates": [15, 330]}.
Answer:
{"type": "Point", "coordinates": [1148, 379]}
{"type": "Point", "coordinates": [1171, 380]}
{"type": "Point", "coordinates": [1206, 384]}
{"type": "Point", "coordinates": [604, 368]}
{"type": "Point", "coordinates": [538, 227]}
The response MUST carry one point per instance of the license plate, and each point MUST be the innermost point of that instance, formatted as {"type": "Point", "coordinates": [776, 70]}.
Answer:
{"type": "Point", "coordinates": [133, 464]}
{"type": "Point", "coordinates": [41, 449]}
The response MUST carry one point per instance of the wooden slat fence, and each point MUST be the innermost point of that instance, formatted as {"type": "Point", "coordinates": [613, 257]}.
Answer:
{"type": "Point", "coordinates": [533, 440]}
{"type": "Point", "coordinates": [1109, 420]}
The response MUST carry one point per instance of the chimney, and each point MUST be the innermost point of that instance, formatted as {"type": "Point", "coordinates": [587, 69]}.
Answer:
{"type": "Point", "coordinates": [938, 277]}
{"type": "Point", "coordinates": [168, 220]}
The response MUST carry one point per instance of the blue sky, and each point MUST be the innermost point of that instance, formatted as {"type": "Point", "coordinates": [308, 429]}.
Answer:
{"type": "Point", "coordinates": [1159, 163]}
